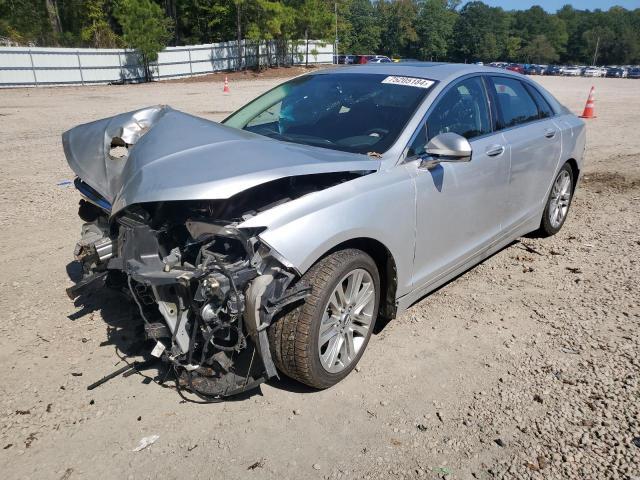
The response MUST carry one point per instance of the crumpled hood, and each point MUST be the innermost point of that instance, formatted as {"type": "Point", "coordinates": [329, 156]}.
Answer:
{"type": "Point", "coordinates": [176, 156]}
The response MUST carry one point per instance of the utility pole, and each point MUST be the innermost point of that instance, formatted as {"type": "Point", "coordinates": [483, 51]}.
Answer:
{"type": "Point", "coordinates": [335, 49]}
{"type": "Point", "coordinates": [595, 54]}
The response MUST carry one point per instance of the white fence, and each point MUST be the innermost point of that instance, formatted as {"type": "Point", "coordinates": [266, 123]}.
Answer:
{"type": "Point", "coordinates": [23, 66]}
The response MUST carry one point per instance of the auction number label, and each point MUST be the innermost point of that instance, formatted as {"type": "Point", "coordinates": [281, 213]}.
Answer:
{"type": "Point", "coordinates": [409, 81]}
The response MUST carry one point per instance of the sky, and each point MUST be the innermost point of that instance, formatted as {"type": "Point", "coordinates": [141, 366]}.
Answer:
{"type": "Point", "coordinates": [553, 5]}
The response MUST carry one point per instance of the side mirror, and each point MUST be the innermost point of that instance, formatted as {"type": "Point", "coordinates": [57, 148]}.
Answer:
{"type": "Point", "coordinates": [446, 147]}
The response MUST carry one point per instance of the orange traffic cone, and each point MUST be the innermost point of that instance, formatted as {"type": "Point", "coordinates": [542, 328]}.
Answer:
{"type": "Point", "coordinates": [226, 86]}
{"type": "Point", "coordinates": [589, 108]}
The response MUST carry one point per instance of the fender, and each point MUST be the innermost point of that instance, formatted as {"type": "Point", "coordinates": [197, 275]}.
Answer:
{"type": "Point", "coordinates": [375, 206]}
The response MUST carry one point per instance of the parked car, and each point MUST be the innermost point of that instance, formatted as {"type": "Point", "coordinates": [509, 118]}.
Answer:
{"type": "Point", "coordinates": [362, 59]}
{"type": "Point", "coordinates": [634, 72]}
{"type": "Point", "coordinates": [617, 72]}
{"type": "Point", "coordinates": [535, 70]}
{"type": "Point", "coordinates": [593, 72]}
{"type": "Point", "coordinates": [274, 240]}
{"type": "Point", "coordinates": [380, 59]}
{"type": "Point", "coordinates": [515, 67]}
{"type": "Point", "coordinates": [344, 59]}
{"type": "Point", "coordinates": [554, 70]}
{"type": "Point", "coordinates": [572, 71]}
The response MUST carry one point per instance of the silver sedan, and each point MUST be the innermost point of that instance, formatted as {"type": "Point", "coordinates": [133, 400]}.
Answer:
{"type": "Point", "coordinates": [272, 242]}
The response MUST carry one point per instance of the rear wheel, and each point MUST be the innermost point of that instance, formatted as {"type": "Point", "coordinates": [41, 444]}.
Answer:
{"type": "Point", "coordinates": [322, 340]}
{"type": "Point", "coordinates": [558, 203]}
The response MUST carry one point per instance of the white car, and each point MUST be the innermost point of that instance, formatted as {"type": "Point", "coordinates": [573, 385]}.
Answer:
{"type": "Point", "coordinates": [593, 72]}
{"type": "Point", "coordinates": [380, 59]}
{"type": "Point", "coordinates": [572, 71]}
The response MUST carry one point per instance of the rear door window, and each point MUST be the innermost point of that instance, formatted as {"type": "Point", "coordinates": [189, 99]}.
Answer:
{"type": "Point", "coordinates": [514, 102]}
{"type": "Point", "coordinates": [544, 109]}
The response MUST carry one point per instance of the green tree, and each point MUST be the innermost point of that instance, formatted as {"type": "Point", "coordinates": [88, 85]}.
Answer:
{"type": "Point", "coordinates": [535, 22]}
{"type": "Point", "coordinates": [26, 22]}
{"type": "Point", "coordinates": [540, 50]}
{"type": "Point", "coordinates": [314, 19]}
{"type": "Point", "coordinates": [359, 30]}
{"type": "Point", "coordinates": [434, 25]}
{"type": "Point", "coordinates": [397, 22]}
{"type": "Point", "coordinates": [481, 32]}
{"type": "Point", "coordinates": [144, 28]}
{"type": "Point", "coordinates": [430, 29]}
{"type": "Point", "coordinates": [96, 30]}
{"type": "Point", "coordinates": [271, 20]}
{"type": "Point", "coordinates": [598, 41]}
{"type": "Point", "coordinates": [512, 48]}
{"type": "Point", "coordinates": [203, 21]}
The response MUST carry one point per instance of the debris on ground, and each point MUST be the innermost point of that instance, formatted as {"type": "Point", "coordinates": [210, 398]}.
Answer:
{"type": "Point", "coordinates": [258, 464]}
{"type": "Point", "coordinates": [146, 442]}
{"type": "Point", "coordinates": [67, 473]}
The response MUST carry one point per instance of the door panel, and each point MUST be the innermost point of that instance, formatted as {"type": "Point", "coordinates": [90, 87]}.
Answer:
{"type": "Point", "coordinates": [459, 208]}
{"type": "Point", "coordinates": [459, 205]}
{"type": "Point", "coordinates": [534, 146]}
{"type": "Point", "coordinates": [534, 150]}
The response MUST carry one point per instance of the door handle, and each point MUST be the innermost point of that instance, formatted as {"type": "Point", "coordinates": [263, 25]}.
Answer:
{"type": "Point", "coordinates": [494, 150]}
{"type": "Point", "coordinates": [549, 133]}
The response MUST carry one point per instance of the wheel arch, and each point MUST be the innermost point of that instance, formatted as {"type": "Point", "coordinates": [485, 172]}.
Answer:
{"type": "Point", "coordinates": [575, 170]}
{"type": "Point", "coordinates": [387, 269]}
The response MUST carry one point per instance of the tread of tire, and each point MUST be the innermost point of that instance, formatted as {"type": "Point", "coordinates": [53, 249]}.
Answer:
{"type": "Point", "coordinates": [546, 230]}
{"type": "Point", "coordinates": [290, 334]}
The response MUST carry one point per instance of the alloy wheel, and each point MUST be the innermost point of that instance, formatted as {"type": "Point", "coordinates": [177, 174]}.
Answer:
{"type": "Point", "coordinates": [346, 320]}
{"type": "Point", "coordinates": [560, 199]}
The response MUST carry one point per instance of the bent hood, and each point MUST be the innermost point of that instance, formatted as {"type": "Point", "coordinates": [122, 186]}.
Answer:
{"type": "Point", "coordinates": [166, 155]}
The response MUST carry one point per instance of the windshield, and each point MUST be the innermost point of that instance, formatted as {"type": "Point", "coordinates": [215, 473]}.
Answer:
{"type": "Point", "coordinates": [358, 113]}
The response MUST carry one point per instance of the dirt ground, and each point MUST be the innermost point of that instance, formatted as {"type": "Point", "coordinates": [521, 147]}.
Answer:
{"type": "Point", "coordinates": [524, 367]}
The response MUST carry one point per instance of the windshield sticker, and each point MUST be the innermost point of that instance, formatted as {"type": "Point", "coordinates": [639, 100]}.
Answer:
{"type": "Point", "coordinates": [409, 81]}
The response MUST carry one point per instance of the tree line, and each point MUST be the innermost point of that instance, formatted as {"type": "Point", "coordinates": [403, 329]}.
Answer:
{"type": "Point", "coordinates": [423, 29]}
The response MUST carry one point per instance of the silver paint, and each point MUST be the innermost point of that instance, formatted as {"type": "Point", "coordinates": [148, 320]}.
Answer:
{"type": "Point", "coordinates": [435, 223]}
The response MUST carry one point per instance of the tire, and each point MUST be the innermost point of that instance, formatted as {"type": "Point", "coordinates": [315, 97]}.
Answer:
{"type": "Point", "coordinates": [294, 338]}
{"type": "Point", "coordinates": [551, 223]}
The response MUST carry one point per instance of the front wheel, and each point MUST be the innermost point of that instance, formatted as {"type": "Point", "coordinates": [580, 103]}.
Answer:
{"type": "Point", "coordinates": [321, 341]}
{"type": "Point", "coordinates": [558, 203]}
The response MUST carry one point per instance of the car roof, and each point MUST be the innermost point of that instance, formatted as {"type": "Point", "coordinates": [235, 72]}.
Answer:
{"type": "Point", "coordinates": [429, 70]}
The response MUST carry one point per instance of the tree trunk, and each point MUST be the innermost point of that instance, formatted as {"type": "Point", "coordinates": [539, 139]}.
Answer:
{"type": "Point", "coordinates": [171, 12]}
{"type": "Point", "coordinates": [306, 41]}
{"type": "Point", "coordinates": [268, 53]}
{"type": "Point", "coordinates": [145, 65]}
{"type": "Point", "coordinates": [54, 16]}
{"type": "Point", "coordinates": [239, 34]}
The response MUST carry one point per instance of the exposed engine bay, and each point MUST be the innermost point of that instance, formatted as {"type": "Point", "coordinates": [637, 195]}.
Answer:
{"type": "Point", "coordinates": [206, 290]}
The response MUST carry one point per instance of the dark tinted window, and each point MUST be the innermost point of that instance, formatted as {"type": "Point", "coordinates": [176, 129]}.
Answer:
{"type": "Point", "coordinates": [351, 112]}
{"type": "Point", "coordinates": [462, 110]}
{"type": "Point", "coordinates": [544, 108]}
{"type": "Point", "coordinates": [515, 104]}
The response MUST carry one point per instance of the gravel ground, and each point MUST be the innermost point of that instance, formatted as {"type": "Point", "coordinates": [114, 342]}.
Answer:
{"type": "Point", "coordinates": [524, 367]}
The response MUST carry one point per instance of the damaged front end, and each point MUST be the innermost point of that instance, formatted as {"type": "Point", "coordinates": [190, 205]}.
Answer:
{"type": "Point", "coordinates": [206, 290]}
{"type": "Point", "coordinates": [164, 197]}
